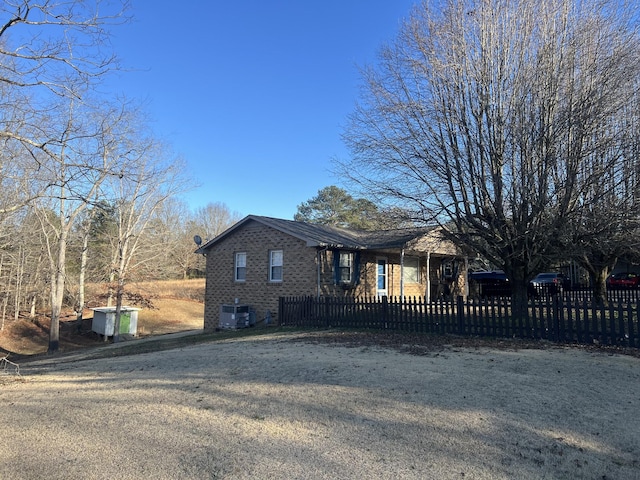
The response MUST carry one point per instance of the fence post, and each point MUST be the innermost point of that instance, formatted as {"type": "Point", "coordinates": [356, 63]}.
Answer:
{"type": "Point", "coordinates": [460, 314]}
{"type": "Point", "coordinates": [385, 312]}
{"type": "Point", "coordinates": [630, 329]}
{"type": "Point", "coordinates": [556, 317]}
{"type": "Point", "coordinates": [281, 313]}
{"type": "Point", "coordinates": [327, 312]}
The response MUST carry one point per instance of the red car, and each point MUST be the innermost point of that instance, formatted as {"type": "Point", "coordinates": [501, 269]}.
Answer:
{"type": "Point", "coordinates": [624, 280]}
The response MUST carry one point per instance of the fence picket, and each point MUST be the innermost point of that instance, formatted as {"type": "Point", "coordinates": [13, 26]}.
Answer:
{"type": "Point", "coordinates": [631, 334]}
{"type": "Point", "coordinates": [570, 318]}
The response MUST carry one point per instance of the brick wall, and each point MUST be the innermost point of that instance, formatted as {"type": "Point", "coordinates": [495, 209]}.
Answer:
{"type": "Point", "coordinates": [299, 272]}
{"type": "Point", "coordinates": [369, 276]}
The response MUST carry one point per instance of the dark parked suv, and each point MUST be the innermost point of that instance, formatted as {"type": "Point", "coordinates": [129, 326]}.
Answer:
{"type": "Point", "coordinates": [485, 284]}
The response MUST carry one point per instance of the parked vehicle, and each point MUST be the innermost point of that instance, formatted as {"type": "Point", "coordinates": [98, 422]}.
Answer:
{"type": "Point", "coordinates": [623, 280]}
{"type": "Point", "coordinates": [485, 284]}
{"type": "Point", "coordinates": [550, 283]}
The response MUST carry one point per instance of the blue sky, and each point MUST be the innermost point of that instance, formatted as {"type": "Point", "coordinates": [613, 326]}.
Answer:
{"type": "Point", "coordinates": [253, 94]}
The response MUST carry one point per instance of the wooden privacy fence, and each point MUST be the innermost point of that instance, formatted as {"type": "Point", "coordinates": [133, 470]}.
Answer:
{"type": "Point", "coordinates": [553, 318]}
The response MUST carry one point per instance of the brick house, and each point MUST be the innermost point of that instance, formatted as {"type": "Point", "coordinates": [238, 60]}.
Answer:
{"type": "Point", "coordinates": [260, 259]}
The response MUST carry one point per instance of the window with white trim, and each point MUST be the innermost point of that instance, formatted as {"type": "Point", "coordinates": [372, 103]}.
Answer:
{"type": "Point", "coordinates": [241, 267]}
{"type": "Point", "coordinates": [411, 269]}
{"type": "Point", "coordinates": [276, 259]}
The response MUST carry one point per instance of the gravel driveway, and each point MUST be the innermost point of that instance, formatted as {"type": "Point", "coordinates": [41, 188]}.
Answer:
{"type": "Point", "coordinates": [294, 407]}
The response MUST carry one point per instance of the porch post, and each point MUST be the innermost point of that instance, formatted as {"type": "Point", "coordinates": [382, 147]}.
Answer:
{"type": "Point", "coordinates": [319, 262]}
{"type": "Point", "coordinates": [427, 295]}
{"type": "Point", "coordinates": [466, 278]}
{"type": "Point", "coordinates": [402, 273]}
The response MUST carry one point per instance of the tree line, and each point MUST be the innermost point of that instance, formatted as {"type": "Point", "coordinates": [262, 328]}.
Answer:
{"type": "Point", "coordinates": [87, 192]}
{"type": "Point", "coordinates": [514, 124]}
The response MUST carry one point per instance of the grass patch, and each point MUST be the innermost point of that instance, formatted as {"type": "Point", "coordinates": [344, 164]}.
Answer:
{"type": "Point", "coordinates": [162, 343]}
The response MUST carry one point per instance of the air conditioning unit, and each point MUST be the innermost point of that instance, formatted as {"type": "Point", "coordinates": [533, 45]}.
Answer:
{"type": "Point", "coordinates": [236, 316]}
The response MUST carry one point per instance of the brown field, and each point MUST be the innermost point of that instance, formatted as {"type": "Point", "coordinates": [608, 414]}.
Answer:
{"type": "Point", "coordinates": [167, 307]}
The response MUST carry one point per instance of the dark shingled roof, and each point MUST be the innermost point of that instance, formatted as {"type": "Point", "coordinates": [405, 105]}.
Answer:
{"type": "Point", "coordinates": [325, 236]}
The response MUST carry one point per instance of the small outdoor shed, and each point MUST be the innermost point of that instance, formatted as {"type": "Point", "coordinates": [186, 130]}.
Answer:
{"type": "Point", "coordinates": [104, 320]}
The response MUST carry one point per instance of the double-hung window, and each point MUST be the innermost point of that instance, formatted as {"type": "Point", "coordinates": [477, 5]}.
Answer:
{"type": "Point", "coordinates": [241, 267]}
{"type": "Point", "coordinates": [411, 270]}
{"type": "Point", "coordinates": [345, 267]}
{"type": "Point", "coordinates": [276, 259]}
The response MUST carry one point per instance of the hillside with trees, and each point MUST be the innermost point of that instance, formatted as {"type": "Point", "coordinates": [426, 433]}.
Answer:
{"type": "Point", "coordinates": [89, 193]}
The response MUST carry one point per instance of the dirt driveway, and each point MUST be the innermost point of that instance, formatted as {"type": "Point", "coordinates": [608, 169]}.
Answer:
{"type": "Point", "coordinates": [294, 407]}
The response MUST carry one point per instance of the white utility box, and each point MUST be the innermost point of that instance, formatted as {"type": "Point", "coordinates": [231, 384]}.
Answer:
{"type": "Point", "coordinates": [104, 320]}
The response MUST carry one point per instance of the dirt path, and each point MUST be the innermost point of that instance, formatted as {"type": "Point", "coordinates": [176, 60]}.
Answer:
{"type": "Point", "coordinates": [285, 406]}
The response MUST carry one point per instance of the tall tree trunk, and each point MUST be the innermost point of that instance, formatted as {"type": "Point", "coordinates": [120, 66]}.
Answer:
{"type": "Point", "coordinates": [83, 269]}
{"type": "Point", "coordinates": [32, 310]}
{"type": "Point", "coordinates": [35, 285]}
{"type": "Point", "coordinates": [517, 273]}
{"type": "Point", "coordinates": [19, 271]}
{"type": "Point", "coordinates": [5, 302]}
{"type": "Point", "coordinates": [599, 280]}
{"type": "Point", "coordinates": [598, 268]}
{"type": "Point", "coordinates": [5, 298]}
{"type": "Point", "coordinates": [116, 326]}
{"type": "Point", "coordinates": [57, 292]}
{"type": "Point", "coordinates": [110, 293]}
{"type": "Point", "coordinates": [123, 245]}
{"type": "Point", "coordinates": [519, 301]}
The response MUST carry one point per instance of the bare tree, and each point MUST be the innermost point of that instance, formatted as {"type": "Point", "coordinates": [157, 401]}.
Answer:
{"type": "Point", "coordinates": [48, 51]}
{"type": "Point", "coordinates": [148, 181]}
{"type": "Point", "coordinates": [607, 227]}
{"type": "Point", "coordinates": [55, 46]}
{"type": "Point", "coordinates": [171, 233]}
{"type": "Point", "coordinates": [51, 54]}
{"type": "Point", "coordinates": [484, 114]}
{"type": "Point", "coordinates": [214, 218]}
{"type": "Point", "coordinates": [23, 266]}
{"type": "Point", "coordinates": [87, 153]}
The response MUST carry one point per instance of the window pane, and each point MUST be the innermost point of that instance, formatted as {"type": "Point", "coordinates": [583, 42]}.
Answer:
{"type": "Point", "coordinates": [345, 259]}
{"type": "Point", "coordinates": [345, 274]}
{"type": "Point", "coordinates": [275, 268]}
{"type": "Point", "coordinates": [382, 274]}
{"type": "Point", "coordinates": [241, 274]}
{"type": "Point", "coordinates": [276, 273]}
{"type": "Point", "coordinates": [410, 270]}
{"type": "Point", "coordinates": [241, 267]}
{"type": "Point", "coordinates": [276, 258]}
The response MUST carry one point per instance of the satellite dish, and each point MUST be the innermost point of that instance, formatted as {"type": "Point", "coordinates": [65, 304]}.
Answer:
{"type": "Point", "coordinates": [197, 239]}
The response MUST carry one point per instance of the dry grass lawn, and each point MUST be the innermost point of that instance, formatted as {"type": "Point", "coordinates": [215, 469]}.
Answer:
{"type": "Point", "coordinates": [270, 403]}
{"type": "Point", "coordinates": [326, 405]}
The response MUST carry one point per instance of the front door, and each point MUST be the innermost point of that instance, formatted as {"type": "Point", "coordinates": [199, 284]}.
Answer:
{"type": "Point", "coordinates": [381, 273]}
